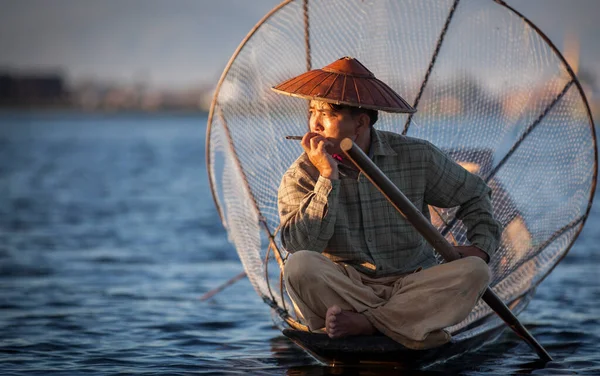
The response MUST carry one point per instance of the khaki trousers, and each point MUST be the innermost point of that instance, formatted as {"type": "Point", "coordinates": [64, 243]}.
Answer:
{"type": "Point", "coordinates": [412, 309]}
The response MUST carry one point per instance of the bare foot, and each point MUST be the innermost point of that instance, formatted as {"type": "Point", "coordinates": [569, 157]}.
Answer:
{"type": "Point", "coordinates": [340, 324]}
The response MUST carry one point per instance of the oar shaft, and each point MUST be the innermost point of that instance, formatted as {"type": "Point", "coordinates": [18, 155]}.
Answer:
{"type": "Point", "coordinates": [430, 233]}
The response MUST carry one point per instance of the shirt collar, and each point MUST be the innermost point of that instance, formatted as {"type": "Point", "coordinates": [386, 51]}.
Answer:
{"type": "Point", "coordinates": [379, 144]}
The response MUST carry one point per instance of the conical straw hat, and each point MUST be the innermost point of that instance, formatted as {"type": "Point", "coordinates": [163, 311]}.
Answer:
{"type": "Point", "coordinates": [345, 81]}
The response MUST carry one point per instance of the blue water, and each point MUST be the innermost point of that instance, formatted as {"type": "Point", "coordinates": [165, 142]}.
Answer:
{"type": "Point", "coordinates": [109, 236]}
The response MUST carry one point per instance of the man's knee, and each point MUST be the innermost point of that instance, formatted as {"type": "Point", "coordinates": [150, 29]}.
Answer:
{"type": "Point", "coordinates": [302, 266]}
{"type": "Point", "coordinates": [478, 271]}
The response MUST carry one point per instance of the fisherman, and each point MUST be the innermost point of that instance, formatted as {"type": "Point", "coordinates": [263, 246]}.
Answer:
{"type": "Point", "coordinates": [358, 267]}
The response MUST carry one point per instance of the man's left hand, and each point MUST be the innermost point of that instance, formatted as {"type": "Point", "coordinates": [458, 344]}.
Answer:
{"type": "Point", "coordinates": [471, 250]}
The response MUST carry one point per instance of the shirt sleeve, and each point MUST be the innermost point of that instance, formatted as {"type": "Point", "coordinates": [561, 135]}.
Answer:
{"type": "Point", "coordinates": [307, 211]}
{"type": "Point", "coordinates": [449, 185]}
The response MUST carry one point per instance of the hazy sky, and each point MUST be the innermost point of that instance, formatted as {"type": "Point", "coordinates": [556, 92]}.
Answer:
{"type": "Point", "coordinates": [182, 43]}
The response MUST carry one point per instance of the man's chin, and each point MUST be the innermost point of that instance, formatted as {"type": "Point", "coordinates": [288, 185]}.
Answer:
{"type": "Point", "coordinates": [335, 150]}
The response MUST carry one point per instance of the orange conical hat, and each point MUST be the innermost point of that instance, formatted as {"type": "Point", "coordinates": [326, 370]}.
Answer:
{"type": "Point", "coordinates": [345, 81]}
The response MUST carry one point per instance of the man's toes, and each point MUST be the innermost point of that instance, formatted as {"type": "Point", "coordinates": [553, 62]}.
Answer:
{"type": "Point", "coordinates": [335, 310]}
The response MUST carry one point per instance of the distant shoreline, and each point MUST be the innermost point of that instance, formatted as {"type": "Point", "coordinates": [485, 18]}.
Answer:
{"type": "Point", "coordinates": [75, 110]}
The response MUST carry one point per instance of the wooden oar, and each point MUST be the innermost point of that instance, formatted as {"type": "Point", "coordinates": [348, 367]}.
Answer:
{"type": "Point", "coordinates": [221, 287]}
{"type": "Point", "coordinates": [430, 233]}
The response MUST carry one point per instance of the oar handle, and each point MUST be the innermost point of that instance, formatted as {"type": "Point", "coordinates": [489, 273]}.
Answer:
{"type": "Point", "coordinates": [430, 233]}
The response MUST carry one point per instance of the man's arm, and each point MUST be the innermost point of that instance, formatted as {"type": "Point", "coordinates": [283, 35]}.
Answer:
{"type": "Point", "coordinates": [307, 210]}
{"type": "Point", "coordinates": [450, 185]}
{"type": "Point", "coordinates": [308, 202]}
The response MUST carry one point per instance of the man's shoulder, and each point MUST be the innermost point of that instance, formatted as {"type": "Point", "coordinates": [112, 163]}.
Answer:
{"type": "Point", "coordinates": [400, 142]}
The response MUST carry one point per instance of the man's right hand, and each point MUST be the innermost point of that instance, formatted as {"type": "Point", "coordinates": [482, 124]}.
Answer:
{"type": "Point", "coordinates": [315, 147]}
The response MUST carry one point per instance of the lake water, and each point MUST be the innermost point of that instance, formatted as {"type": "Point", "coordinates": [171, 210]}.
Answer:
{"type": "Point", "coordinates": [109, 236]}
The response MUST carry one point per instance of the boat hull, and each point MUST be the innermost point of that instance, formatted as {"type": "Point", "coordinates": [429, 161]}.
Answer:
{"type": "Point", "coordinates": [379, 349]}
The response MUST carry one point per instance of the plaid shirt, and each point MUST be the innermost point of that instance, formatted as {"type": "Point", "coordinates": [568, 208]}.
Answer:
{"type": "Point", "coordinates": [350, 221]}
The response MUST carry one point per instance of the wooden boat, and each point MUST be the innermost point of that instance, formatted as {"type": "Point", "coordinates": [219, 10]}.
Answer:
{"type": "Point", "coordinates": [481, 76]}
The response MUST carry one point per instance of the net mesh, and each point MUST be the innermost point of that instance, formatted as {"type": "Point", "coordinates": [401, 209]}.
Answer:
{"type": "Point", "coordinates": [490, 90]}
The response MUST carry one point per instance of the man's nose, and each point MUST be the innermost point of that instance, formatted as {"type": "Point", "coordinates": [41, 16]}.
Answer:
{"type": "Point", "coordinates": [315, 124]}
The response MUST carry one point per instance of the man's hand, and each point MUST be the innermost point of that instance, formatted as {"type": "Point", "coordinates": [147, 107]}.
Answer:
{"type": "Point", "coordinates": [471, 250]}
{"type": "Point", "coordinates": [315, 147]}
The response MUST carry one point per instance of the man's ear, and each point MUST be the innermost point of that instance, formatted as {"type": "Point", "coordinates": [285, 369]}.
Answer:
{"type": "Point", "coordinates": [364, 123]}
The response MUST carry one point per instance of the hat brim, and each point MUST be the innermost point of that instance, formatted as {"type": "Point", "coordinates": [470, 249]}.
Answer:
{"type": "Point", "coordinates": [346, 89]}
{"type": "Point", "coordinates": [408, 110]}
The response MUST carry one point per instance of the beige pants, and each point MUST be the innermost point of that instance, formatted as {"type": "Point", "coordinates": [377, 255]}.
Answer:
{"type": "Point", "coordinates": [412, 309]}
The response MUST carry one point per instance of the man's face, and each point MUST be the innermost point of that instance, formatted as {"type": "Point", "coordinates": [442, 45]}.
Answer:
{"type": "Point", "coordinates": [331, 124]}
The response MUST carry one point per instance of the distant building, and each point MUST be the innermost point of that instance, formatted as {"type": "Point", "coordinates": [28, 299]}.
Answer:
{"type": "Point", "coordinates": [32, 90]}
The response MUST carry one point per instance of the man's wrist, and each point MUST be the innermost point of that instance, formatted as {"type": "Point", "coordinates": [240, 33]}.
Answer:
{"type": "Point", "coordinates": [485, 257]}
{"type": "Point", "coordinates": [472, 250]}
{"type": "Point", "coordinates": [330, 174]}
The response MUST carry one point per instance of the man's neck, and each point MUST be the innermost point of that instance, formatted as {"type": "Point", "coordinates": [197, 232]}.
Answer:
{"type": "Point", "coordinates": [364, 141]}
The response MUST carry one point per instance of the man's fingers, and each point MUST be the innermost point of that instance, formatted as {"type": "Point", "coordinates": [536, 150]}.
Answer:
{"type": "Point", "coordinates": [306, 141]}
{"type": "Point", "coordinates": [321, 146]}
{"type": "Point", "coordinates": [318, 142]}
{"type": "Point", "coordinates": [314, 143]}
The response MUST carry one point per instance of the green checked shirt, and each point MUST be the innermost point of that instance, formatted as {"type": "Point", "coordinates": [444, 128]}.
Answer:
{"type": "Point", "coordinates": [350, 221]}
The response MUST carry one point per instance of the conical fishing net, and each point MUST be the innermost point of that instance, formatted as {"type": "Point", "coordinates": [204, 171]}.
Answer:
{"type": "Point", "coordinates": [490, 90]}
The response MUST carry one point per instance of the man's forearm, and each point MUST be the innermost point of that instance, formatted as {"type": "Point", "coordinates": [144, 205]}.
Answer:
{"type": "Point", "coordinates": [304, 233]}
{"type": "Point", "coordinates": [483, 231]}
{"type": "Point", "coordinates": [308, 223]}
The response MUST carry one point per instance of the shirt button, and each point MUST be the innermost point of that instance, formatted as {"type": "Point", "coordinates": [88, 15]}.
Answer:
{"type": "Point", "coordinates": [369, 239]}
